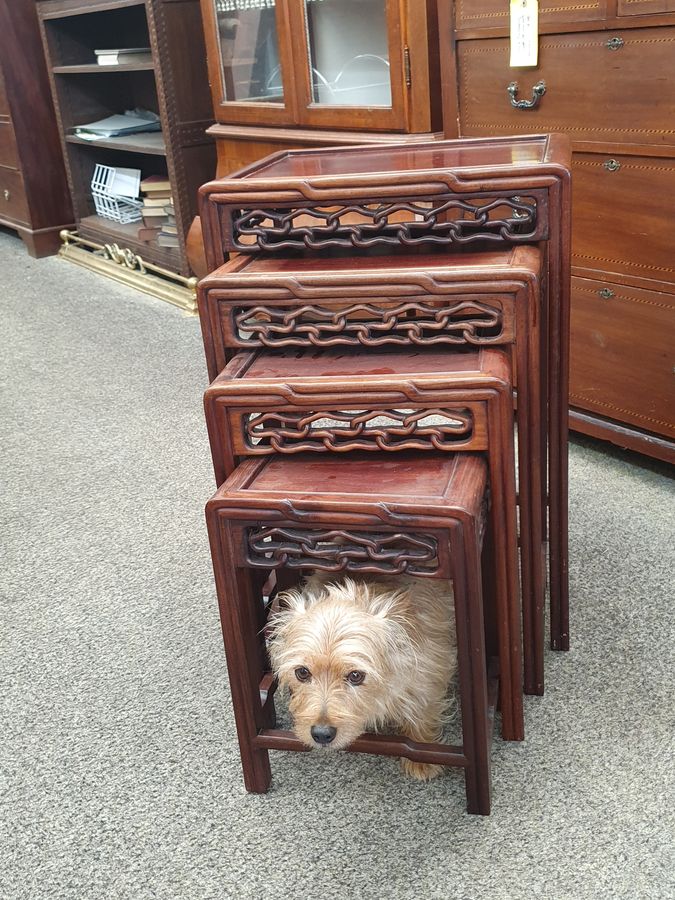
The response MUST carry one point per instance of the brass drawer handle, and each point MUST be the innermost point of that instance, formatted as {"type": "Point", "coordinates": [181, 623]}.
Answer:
{"type": "Point", "coordinates": [6, 194]}
{"type": "Point", "coordinates": [612, 165]}
{"type": "Point", "coordinates": [615, 43]}
{"type": "Point", "coordinates": [606, 293]}
{"type": "Point", "coordinates": [538, 92]}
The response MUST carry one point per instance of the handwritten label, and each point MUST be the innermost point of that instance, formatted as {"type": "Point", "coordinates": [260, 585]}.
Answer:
{"type": "Point", "coordinates": [524, 33]}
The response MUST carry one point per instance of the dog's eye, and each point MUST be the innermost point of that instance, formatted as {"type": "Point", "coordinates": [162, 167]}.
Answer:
{"type": "Point", "coordinates": [302, 673]}
{"type": "Point", "coordinates": [356, 677]}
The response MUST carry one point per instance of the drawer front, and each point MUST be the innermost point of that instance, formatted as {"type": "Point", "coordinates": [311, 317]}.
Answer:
{"type": "Point", "coordinates": [12, 197]}
{"type": "Point", "coordinates": [495, 13]}
{"type": "Point", "coordinates": [645, 7]}
{"type": "Point", "coordinates": [9, 155]}
{"type": "Point", "coordinates": [623, 354]}
{"type": "Point", "coordinates": [623, 212]}
{"type": "Point", "coordinates": [592, 92]}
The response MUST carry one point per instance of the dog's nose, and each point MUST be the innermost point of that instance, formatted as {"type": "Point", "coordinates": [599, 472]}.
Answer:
{"type": "Point", "coordinates": [323, 734]}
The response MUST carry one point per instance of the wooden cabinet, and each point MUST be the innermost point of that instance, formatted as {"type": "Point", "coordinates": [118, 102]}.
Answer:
{"type": "Point", "coordinates": [173, 83]}
{"type": "Point", "coordinates": [293, 73]}
{"type": "Point", "coordinates": [34, 198]}
{"type": "Point", "coordinates": [604, 77]}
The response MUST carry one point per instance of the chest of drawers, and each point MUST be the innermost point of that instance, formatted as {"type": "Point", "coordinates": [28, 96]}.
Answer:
{"type": "Point", "coordinates": [34, 196]}
{"type": "Point", "coordinates": [604, 77]}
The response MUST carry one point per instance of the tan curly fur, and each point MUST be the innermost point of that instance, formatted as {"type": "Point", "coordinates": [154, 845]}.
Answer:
{"type": "Point", "coordinates": [397, 633]}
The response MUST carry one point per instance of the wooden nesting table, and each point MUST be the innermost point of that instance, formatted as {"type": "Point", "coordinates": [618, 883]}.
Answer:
{"type": "Point", "coordinates": [446, 194]}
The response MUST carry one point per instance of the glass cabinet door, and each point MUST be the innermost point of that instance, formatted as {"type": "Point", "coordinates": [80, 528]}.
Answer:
{"type": "Point", "coordinates": [332, 64]}
{"type": "Point", "coordinates": [348, 52]}
{"type": "Point", "coordinates": [350, 62]}
{"type": "Point", "coordinates": [249, 56]}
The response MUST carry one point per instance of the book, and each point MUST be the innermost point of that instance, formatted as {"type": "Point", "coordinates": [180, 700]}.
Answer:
{"type": "Point", "coordinates": [167, 240]}
{"type": "Point", "coordinates": [148, 233]}
{"type": "Point", "coordinates": [154, 201]}
{"type": "Point", "coordinates": [164, 196]}
{"type": "Point", "coordinates": [168, 228]}
{"type": "Point", "coordinates": [154, 184]}
{"type": "Point", "coordinates": [121, 57]}
{"type": "Point", "coordinates": [153, 221]}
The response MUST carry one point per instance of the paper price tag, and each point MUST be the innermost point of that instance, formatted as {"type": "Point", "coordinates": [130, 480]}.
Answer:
{"type": "Point", "coordinates": [524, 33]}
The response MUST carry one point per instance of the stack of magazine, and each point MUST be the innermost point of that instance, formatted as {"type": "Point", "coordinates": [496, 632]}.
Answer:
{"type": "Point", "coordinates": [132, 121]}
{"type": "Point", "coordinates": [123, 57]}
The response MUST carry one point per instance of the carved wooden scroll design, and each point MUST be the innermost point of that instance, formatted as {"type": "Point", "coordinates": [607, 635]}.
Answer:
{"type": "Point", "coordinates": [369, 325]}
{"type": "Point", "coordinates": [341, 551]}
{"type": "Point", "coordinates": [358, 429]}
{"type": "Point", "coordinates": [440, 221]}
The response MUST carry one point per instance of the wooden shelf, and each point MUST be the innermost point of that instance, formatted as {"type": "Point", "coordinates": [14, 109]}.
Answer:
{"type": "Point", "coordinates": [105, 231]}
{"type": "Point", "coordinates": [150, 142]}
{"type": "Point", "coordinates": [87, 8]}
{"type": "Point", "coordinates": [91, 68]}
{"type": "Point", "coordinates": [84, 91]}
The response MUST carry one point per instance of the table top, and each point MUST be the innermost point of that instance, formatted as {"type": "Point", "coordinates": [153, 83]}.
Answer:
{"type": "Point", "coordinates": [387, 265]}
{"type": "Point", "coordinates": [291, 365]}
{"type": "Point", "coordinates": [499, 153]}
{"type": "Point", "coordinates": [401, 476]}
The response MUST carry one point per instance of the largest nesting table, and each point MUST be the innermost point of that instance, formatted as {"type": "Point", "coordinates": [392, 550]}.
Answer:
{"type": "Point", "coordinates": [443, 194]}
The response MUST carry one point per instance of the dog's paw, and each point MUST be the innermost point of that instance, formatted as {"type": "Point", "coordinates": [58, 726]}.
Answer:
{"type": "Point", "coordinates": [420, 771]}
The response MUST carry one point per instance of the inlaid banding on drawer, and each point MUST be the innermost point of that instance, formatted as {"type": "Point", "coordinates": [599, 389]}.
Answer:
{"type": "Point", "coordinates": [494, 13]}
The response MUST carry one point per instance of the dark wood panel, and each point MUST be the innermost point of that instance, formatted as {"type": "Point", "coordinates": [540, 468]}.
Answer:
{"type": "Point", "coordinates": [9, 155]}
{"type": "Point", "coordinates": [622, 354]}
{"type": "Point", "coordinates": [592, 92]}
{"type": "Point", "coordinates": [45, 207]}
{"type": "Point", "coordinates": [623, 215]}
{"type": "Point", "coordinates": [4, 100]}
{"type": "Point", "coordinates": [645, 7]}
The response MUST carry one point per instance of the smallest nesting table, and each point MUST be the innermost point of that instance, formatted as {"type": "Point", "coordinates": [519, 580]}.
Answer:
{"type": "Point", "coordinates": [420, 515]}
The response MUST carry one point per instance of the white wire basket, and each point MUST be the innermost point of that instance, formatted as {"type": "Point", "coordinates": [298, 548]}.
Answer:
{"type": "Point", "coordinates": [110, 205]}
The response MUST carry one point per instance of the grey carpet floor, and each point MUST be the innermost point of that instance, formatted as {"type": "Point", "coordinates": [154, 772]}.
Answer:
{"type": "Point", "coordinates": [120, 774]}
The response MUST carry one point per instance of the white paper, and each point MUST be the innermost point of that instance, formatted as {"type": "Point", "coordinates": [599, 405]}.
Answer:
{"type": "Point", "coordinates": [524, 33]}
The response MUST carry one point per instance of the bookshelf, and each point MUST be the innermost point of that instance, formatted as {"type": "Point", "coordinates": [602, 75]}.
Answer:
{"type": "Point", "coordinates": [174, 85]}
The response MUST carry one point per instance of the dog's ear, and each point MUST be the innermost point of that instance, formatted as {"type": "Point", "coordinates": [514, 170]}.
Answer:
{"type": "Point", "coordinates": [389, 604]}
{"type": "Point", "coordinates": [292, 600]}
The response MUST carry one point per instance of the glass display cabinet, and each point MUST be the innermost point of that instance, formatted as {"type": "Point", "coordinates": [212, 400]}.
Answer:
{"type": "Point", "coordinates": [362, 65]}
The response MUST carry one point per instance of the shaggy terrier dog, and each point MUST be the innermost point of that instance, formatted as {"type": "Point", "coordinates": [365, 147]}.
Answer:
{"type": "Point", "coordinates": [364, 654]}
